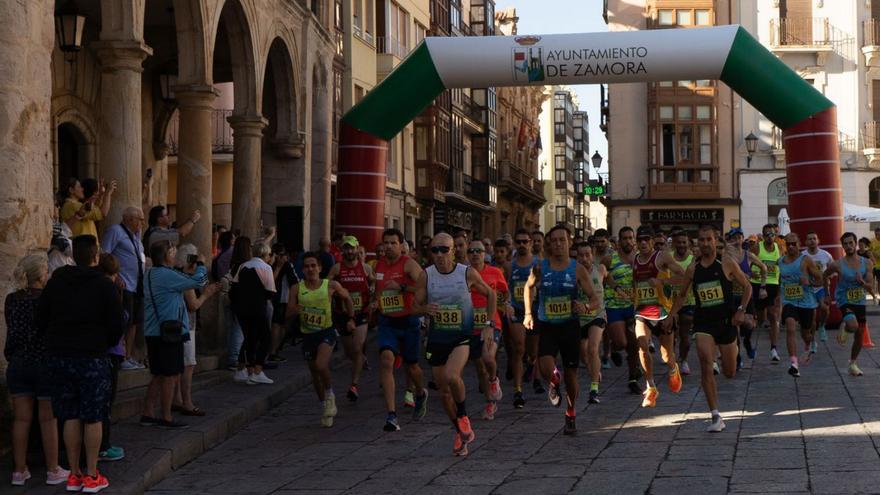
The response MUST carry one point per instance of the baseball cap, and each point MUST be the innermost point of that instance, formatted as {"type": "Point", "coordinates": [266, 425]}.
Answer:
{"type": "Point", "coordinates": [644, 230]}
{"type": "Point", "coordinates": [732, 232]}
{"type": "Point", "coordinates": [350, 240]}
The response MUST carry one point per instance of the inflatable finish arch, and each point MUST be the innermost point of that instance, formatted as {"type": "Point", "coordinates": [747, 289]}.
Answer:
{"type": "Point", "coordinates": [728, 53]}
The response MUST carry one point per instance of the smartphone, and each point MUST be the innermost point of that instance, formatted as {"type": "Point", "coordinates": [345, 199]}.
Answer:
{"type": "Point", "coordinates": [191, 259]}
{"type": "Point", "coordinates": [149, 173]}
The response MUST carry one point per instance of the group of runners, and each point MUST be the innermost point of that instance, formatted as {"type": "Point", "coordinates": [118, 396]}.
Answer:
{"type": "Point", "coordinates": [555, 302]}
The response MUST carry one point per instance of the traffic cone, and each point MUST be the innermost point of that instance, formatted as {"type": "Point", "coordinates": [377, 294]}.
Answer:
{"type": "Point", "coordinates": [866, 336]}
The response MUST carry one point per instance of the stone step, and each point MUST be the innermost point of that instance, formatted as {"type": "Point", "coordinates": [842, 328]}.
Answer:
{"type": "Point", "coordinates": [130, 379]}
{"type": "Point", "coordinates": [130, 402]}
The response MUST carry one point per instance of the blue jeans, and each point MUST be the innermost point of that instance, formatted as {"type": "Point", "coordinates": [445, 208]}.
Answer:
{"type": "Point", "coordinates": [234, 337]}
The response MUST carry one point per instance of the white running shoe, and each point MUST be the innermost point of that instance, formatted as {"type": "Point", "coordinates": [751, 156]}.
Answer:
{"type": "Point", "coordinates": [240, 376]}
{"type": "Point", "coordinates": [495, 392]}
{"type": "Point", "coordinates": [774, 356]}
{"type": "Point", "coordinates": [260, 379]}
{"type": "Point", "coordinates": [685, 368]}
{"type": "Point", "coordinates": [330, 406]}
{"type": "Point", "coordinates": [717, 425]}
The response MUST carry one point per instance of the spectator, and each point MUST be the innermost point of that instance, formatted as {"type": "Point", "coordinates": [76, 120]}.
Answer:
{"type": "Point", "coordinates": [166, 328]}
{"type": "Point", "coordinates": [81, 315]}
{"type": "Point", "coordinates": [26, 375]}
{"type": "Point", "coordinates": [327, 259]}
{"type": "Point", "coordinates": [220, 263]}
{"type": "Point", "coordinates": [60, 253]}
{"type": "Point", "coordinates": [254, 288]}
{"type": "Point", "coordinates": [267, 235]}
{"type": "Point", "coordinates": [215, 239]}
{"type": "Point", "coordinates": [241, 252]}
{"type": "Point", "coordinates": [81, 211]}
{"type": "Point", "coordinates": [380, 253]}
{"type": "Point", "coordinates": [109, 265]}
{"type": "Point", "coordinates": [160, 228]}
{"type": "Point", "coordinates": [187, 262]}
{"type": "Point", "coordinates": [336, 247]}
{"type": "Point", "coordinates": [122, 240]}
{"type": "Point", "coordinates": [285, 277]}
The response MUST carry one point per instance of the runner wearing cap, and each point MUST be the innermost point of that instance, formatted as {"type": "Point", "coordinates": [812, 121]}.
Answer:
{"type": "Point", "coordinates": [766, 287]}
{"type": "Point", "coordinates": [357, 278]}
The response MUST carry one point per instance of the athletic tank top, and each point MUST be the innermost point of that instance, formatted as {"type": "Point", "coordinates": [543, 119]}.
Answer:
{"type": "Point", "coordinates": [849, 290]}
{"type": "Point", "coordinates": [450, 291]}
{"type": "Point", "coordinates": [599, 311]}
{"type": "Point", "coordinates": [676, 288]}
{"type": "Point", "coordinates": [494, 278]}
{"type": "Point", "coordinates": [712, 293]}
{"type": "Point", "coordinates": [746, 268]}
{"type": "Point", "coordinates": [648, 301]}
{"type": "Point", "coordinates": [622, 273]}
{"type": "Point", "coordinates": [519, 275]}
{"type": "Point", "coordinates": [769, 258]}
{"type": "Point", "coordinates": [317, 312]}
{"type": "Point", "coordinates": [792, 291]}
{"type": "Point", "coordinates": [394, 302]}
{"type": "Point", "coordinates": [558, 289]}
{"type": "Point", "coordinates": [354, 280]}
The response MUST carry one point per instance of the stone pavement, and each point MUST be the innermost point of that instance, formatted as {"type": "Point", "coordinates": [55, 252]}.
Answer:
{"type": "Point", "coordinates": [816, 434]}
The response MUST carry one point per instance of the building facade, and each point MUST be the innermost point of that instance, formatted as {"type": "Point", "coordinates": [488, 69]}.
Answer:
{"type": "Point", "coordinates": [105, 111]}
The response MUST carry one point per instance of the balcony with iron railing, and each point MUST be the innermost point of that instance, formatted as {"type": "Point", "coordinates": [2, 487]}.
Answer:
{"type": "Point", "coordinates": [871, 45]}
{"type": "Point", "coordinates": [221, 132]}
{"type": "Point", "coordinates": [472, 112]}
{"type": "Point", "coordinates": [846, 143]}
{"type": "Point", "coordinates": [466, 189]}
{"type": "Point", "coordinates": [389, 45]}
{"type": "Point", "coordinates": [814, 36]}
{"type": "Point", "coordinates": [517, 182]}
{"type": "Point", "coordinates": [871, 140]}
{"type": "Point", "coordinates": [690, 182]}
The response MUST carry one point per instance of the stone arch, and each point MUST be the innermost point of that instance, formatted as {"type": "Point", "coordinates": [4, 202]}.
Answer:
{"type": "Point", "coordinates": [238, 20]}
{"type": "Point", "coordinates": [874, 193]}
{"type": "Point", "coordinates": [194, 48]}
{"type": "Point", "coordinates": [74, 115]}
{"type": "Point", "coordinates": [281, 77]}
{"type": "Point", "coordinates": [122, 20]}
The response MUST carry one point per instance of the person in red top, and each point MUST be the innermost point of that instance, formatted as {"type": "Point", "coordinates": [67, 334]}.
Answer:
{"type": "Point", "coordinates": [399, 330]}
{"type": "Point", "coordinates": [651, 307]}
{"type": "Point", "coordinates": [488, 327]}
{"type": "Point", "coordinates": [358, 279]}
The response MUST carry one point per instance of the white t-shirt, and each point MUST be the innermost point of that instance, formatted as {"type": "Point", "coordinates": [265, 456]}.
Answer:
{"type": "Point", "coordinates": [822, 259]}
{"type": "Point", "coordinates": [264, 271]}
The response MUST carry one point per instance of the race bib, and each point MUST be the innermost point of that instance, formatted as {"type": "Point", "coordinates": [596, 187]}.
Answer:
{"type": "Point", "coordinates": [627, 292]}
{"type": "Point", "coordinates": [314, 319]}
{"type": "Point", "coordinates": [519, 292]}
{"type": "Point", "coordinates": [855, 295]}
{"type": "Point", "coordinates": [793, 291]}
{"type": "Point", "coordinates": [481, 317]}
{"type": "Point", "coordinates": [646, 293]}
{"type": "Point", "coordinates": [357, 300]}
{"type": "Point", "coordinates": [772, 269]}
{"type": "Point", "coordinates": [391, 301]}
{"type": "Point", "coordinates": [710, 293]}
{"type": "Point", "coordinates": [448, 318]}
{"type": "Point", "coordinates": [557, 308]}
{"type": "Point", "coordinates": [737, 289]}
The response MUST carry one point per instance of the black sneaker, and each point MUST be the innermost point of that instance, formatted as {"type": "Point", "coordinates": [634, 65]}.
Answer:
{"type": "Point", "coordinates": [634, 387]}
{"type": "Point", "coordinates": [539, 389]}
{"type": "Point", "coordinates": [391, 423]}
{"type": "Point", "coordinates": [149, 421]}
{"type": "Point", "coordinates": [594, 396]}
{"type": "Point", "coordinates": [794, 371]}
{"type": "Point", "coordinates": [518, 401]}
{"type": "Point", "coordinates": [616, 358]}
{"type": "Point", "coordinates": [171, 425]}
{"type": "Point", "coordinates": [570, 426]}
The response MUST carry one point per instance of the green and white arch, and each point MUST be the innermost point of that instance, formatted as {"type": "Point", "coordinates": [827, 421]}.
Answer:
{"type": "Point", "coordinates": [727, 53]}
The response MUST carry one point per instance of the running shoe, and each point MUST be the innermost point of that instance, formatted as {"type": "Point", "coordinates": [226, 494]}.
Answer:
{"type": "Point", "coordinates": [536, 385]}
{"type": "Point", "coordinates": [774, 356]}
{"type": "Point", "coordinates": [20, 478]}
{"type": "Point", "coordinates": [171, 425]}
{"type": "Point", "coordinates": [327, 421]}
{"type": "Point", "coordinates": [129, 364]}
{"type": "Point", "coordinates": [391, 423]}
{"type": "Point", "coordinates": [814, 347]}
{"type": "Point", "coordinates": [74, 483]}
{"type": "Point", "coordinates": [148, 421]}
{"type": "Point", "coordinates": [616, 358]}
{"type": "Point", "coordinates": [58, 476]}
{"type": "Point", "coordinates": [111, 454]}
{"type": "Point", "coordinates": [715, 369]}
{"type": "Point", "coordinates": [634, 387]}
{"type": "Point", "coordinates": [495, 392]}
{"type": "Point", "coordinates": [459, 448]}
{"type": "Point", "coordinates": [752, 353]}
{"type": "Point", "coordinates": [594, 397]}
{"type": "Point", "coordinates": [553, 395]}
{"type": "Point", "coordinates": [421, 405]}
{"type": "Point", "coordinates": [570, 425]}
{"type": "Point", "coordinates": [606, 364]}
{"type": "Point", "coordinates": [518, 401]}
{"type": "Point", "coordinates": [353, 393]}
{"type": "Point", "coordinates": [673, 381]}
{"type": "Point", "coordinates": [240, 376]}
{"type": "Point", "coordinates": [685, 368]}
{"type": "Point", "coordinates": [409, 399]}
{"type": "Point", "coordinates": [260, 379]}
{"type": "Point", "coordinates": [490, 410]}
{"type": "Point", "coordinates": [94, 484]}
{"type": "Point", "coordinates": [717, 425]}
{"type": "Point", "coordinates": [465, 431]}
{"type": "Point", "coordinates": [854, 369]}
{"type": "Point", "coordinates": [823, 334]}
{"type": "Point", "coordinates": [842, 336]}
{"type": "Point", "coordinates": [650, 397]}
{"type": "Point", "coordinates": [794, 371]}
{"type": "Point", "coordinates": [330, 405]}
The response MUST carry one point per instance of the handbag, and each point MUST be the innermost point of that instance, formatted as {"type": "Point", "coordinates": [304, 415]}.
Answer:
{"type": "Point", "coordinates": [171, 331]}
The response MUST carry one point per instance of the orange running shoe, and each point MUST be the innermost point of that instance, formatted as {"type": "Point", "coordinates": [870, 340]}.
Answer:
{"type": "Point", "coordinates": [459, 448]}
{"type": "Point", "coordinates": [674, 380]}
{"type": "Point", "coordinates": [650, 397]}
{"type": "Point", "coordinates": [465, 430]}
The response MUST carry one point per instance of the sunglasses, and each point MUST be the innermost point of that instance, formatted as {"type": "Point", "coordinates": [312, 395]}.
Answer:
{"type": "Point", "coordinates": [440, 249]}
{"type": "Point", "coordinates": [523, 241]}
{"type": "Point", "coordinates": [475, 251]}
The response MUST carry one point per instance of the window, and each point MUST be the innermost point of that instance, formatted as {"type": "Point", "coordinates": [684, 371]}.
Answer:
{"type": "Point", "coordinates": [420, 33]}
{"type": "Point", "coordinates": [357, 17]}
{"type": "Point", "coordinates": [391, 161]}
{"type": "Point", "coordinates": [369, 20]}
{"type": "Point", "coordinates": [703, 17]}
{"type": "Point", "coordinates": [560, 214]}
{"type": "Point", "coordinates": [683, 17]}
{"type": "Point", "coordinates": [665, 17]}
{"type": "Point", "coordinates": [455, 14]}
{"type": "Point", "coordinates": [687, 140]}
{"type": "Point", "coordinates": [358, 94]}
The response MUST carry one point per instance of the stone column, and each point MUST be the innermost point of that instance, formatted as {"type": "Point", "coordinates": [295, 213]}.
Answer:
{"type": "Point", "coordinates": [194, 161]}
{"type": "Point", "coordinates": [120, 150]}
{"type": "Point", "coordinates": [322, 140]}
{"type": "Point", "coordinates": [246, 173]}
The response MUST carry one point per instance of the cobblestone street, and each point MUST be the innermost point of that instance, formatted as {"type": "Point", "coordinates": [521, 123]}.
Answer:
{"type": "Point", "coordinates": [816, 434]}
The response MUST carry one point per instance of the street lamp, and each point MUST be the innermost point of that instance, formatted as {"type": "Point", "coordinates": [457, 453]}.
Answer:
{"type": "Point", "coordinates": [597, 160]}
{"type": "Point", "coordinates": [69, 24]}
{"type": "Point", "coordinates": [751, 147]}
{"type": "Point", "coordinates": [166, 84]}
